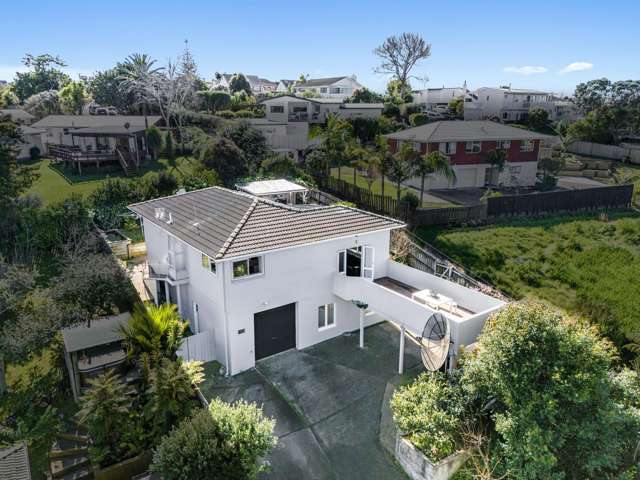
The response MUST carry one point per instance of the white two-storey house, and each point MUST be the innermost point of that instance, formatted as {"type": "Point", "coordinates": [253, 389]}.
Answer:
{"type": "Point", "coordinates": [261, 277]}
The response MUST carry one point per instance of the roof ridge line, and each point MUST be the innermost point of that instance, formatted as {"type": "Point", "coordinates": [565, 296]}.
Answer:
{"type": "Point", "coordinates": [216, 187]}
{"type": "Point", "coordinates": [227, 244]}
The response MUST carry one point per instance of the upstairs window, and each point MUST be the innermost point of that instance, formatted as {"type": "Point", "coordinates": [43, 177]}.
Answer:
{"type": "Point", "coordinates": [335, 90]}
{"type": "Point", "coordinates": [208, 263]}
{"type": "Point", "coordinates": [326, 316]}
{"type": "Point", "coordinates": [503, 144]}
{"type": "Point", "coordinates": [247, 267]}
{"type": "Point", "coordinates": [526, 146]}
{"type": "Point", "coordinates": [277, 109]}
{"type": "Point", "coordinates": [473, 147]}
{"type": "Point", "coordinates": [448, 148]}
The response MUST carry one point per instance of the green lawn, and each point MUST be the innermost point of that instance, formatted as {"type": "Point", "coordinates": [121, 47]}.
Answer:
{"type": "Point", "coordinates": [57, 183]}
{"type": "Point", "coordinates": [583, 264]}
{"type": "Point", "coordinates": [346, 174]}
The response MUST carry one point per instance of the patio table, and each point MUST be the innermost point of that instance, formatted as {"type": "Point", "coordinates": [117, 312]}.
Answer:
{"type": "Point", "coordinates": [434, 300]}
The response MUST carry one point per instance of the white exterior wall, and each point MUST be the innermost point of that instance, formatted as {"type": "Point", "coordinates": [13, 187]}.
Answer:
{"type": "Point", "coordinates": [504, 104]}
{"type": "Point", "coordinates": [370, 113]}
{"type": "Point", "coordinates": [288, 136]}
{"type": "Point", "coordinates": [348, 85]}
{"type": "Point", "coordinates": [303, 276]}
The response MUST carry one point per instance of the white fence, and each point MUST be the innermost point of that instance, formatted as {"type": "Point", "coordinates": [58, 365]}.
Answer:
{"type": "Point", "coordinates": [605, 151]}
{"type": "Point", "coordinates": [198, 347]}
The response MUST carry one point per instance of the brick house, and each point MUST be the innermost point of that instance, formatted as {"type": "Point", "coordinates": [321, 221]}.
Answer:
{"type": "Point", "coordinates": [467, 144]}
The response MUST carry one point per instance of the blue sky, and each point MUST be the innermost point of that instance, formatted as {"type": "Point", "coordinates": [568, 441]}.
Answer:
{"type": "Point", "coordinates": [487, 43]}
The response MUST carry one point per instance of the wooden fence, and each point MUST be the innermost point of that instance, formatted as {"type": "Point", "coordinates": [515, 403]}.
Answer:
{"type": "Point", "coordinates": [198, 347]}
{"type": "Point", "coordinates": [616, 196]}
{"type": "Point", "coordinates": [365, 199]}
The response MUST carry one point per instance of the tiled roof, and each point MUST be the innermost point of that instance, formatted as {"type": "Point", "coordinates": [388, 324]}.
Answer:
{"type": "Point", "coordinates": [465, 130]}
{"type": "Point", "coordinates": [14, 463]}
{"type": "Point", "coordinates": [84, 121]}
{"type": "Point", "coordinates": [319, 82]}
{"type": "Point", "coordinates": [226, 224]}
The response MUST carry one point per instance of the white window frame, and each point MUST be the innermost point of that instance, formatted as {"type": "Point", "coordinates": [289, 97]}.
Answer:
{"type": "Point", "coordinates": [276, 109]}
{"type": "Point", "coordinates": [343, 254]}
{"type": "Point", "coordinates": [503, 144]}
{"type": "Point", "coordinates": [327, 325]}
{"type": "Point", "coordinates": [473, 145]}
{"type": "Point", "coordinates": [448, 148]}
{"type": "Point", "coordinates": [527, 145]}
{"type": "Point", "coordinates": [208, 263]}
{"type": "Point", "coordinates": [368, 254]}
{"type": "Point", "coordinates": [248, 275]}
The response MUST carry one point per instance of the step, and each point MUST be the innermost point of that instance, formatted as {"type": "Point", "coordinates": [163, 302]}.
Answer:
{"type": "Point", "coordinates": [74, 437]}
{"type": "Point", "coordinates": [85, 473]}
{"type": "Point", "coordinates": [64, 448]}
{"type": "Point", "coordinates": [65, 465]}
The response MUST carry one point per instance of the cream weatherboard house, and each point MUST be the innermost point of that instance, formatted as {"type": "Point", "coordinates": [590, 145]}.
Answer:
{"type": "Point", "coordinates": [255, 277]}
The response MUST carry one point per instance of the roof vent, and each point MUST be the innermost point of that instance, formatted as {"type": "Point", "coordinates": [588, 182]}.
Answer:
{"type": "Point", "coordinates": [160, 213]}
{"type": "Point", "coordinates": [169, 220]}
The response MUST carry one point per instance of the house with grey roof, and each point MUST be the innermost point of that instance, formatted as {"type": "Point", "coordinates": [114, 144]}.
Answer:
{"type": "Point", "coordinates": [467, 144]}
{"type": "Point", "coordinates": [330, 87]}
{"type": "Point", "coordinates": [83, 140]}
{"type": "Point", "coordinates": [505, 104]}
{"type": "Point", "coordinates": [256, 277]}
{"type": "Point", "coordinates": [14, 462]}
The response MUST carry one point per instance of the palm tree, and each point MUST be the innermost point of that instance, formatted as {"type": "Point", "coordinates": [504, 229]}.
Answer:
{"type": "Point", "coordinates": [402, 166]}
{"type": "Point", "coordinates": [154, 330]}
{"type": "Point", "coordinates": [497, 159]}
{"type": "Point", "coordinates": [104, 409]}
{"type": "Point", "coordinates": [171, 389]}
{"type": "Point", "coordinates": [135, 72]}
{"type": "Point", "coordinates": [434, 163]}
{"type": "Point", "coordinates": [384, 159]}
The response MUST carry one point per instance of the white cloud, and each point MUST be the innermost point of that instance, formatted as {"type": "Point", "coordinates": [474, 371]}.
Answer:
{"type": "Point", "coordinates": [577, 67]}
{"type": "Point", "coordinates": [526, 70]}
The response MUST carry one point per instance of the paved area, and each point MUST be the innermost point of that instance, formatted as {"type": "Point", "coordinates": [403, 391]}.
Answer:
{"type": "Point", "coordinates": [460, 196]}
{"type": "Point", "coordinates": [577, 183]}
{"type": "Point", "coordinates": [326, 401]}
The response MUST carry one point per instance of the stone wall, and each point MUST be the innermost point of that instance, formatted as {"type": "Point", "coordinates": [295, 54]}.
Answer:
{"type": "Point", "coordinates": [415, 463]}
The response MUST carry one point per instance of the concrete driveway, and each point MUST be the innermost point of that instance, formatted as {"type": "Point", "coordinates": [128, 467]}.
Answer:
{"type": "Point", "coordinates": [326, 401]}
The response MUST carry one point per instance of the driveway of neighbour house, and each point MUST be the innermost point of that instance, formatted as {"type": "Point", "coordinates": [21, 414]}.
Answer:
{"type": "Point", "coordinates": [459, 196]}
{"type": "Point", "coordinates": [578, 183]}
{"type": "Point", "coordinates": [326, 401]}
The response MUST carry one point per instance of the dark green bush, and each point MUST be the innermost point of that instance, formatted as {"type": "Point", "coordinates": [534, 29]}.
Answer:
{"type": "Point", "coordinates": [417, 119]}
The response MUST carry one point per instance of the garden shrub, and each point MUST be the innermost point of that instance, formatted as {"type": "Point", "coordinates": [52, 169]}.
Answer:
{"type": "Point", "coordinates": [224, 442]}
{"type": "Point", "coordinates": [557, 410]}
{"type": "Point", "coordinates": [411, 199]}
{"type": "Point", "coordinates": [226, 114]}
{"type": "Point", "coordinates": [34, 153]}
{"type": "Point", "coordinates": [244, 114]}
{"type": "Point", "coordinates": [417, 119]}
{"type": "Point", "coordinates": [429, 412]}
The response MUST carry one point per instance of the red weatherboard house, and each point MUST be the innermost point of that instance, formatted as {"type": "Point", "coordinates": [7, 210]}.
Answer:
{"type": "Point", "coordinates": [467, 144]}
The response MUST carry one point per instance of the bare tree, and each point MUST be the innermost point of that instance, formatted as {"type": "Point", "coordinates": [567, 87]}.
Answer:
{"type": "Point", "coordinates": [399, 54]}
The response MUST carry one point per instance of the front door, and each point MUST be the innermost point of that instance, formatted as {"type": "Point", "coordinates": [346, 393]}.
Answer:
{"type": "Point", "coordinates": [274, 330]}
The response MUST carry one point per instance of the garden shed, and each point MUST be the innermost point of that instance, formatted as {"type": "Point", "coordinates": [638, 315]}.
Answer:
{"type": "Point", "coordinates": [91, 350]}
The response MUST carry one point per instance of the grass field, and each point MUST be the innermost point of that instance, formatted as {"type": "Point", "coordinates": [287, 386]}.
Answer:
{"type": "Point", "coordinates": [390, 189]}
{"type": "Point", "coordinates": [57, 183]}
{"type": "Point", "coordinates": [582, 264]}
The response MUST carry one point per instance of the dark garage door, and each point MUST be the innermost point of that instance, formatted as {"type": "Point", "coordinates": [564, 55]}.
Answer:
{"type": "Point", "coordinates": [275, 330]}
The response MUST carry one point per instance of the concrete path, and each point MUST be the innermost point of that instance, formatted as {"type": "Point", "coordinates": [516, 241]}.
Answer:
{"type": "Point", "coordinates": [326, 401]}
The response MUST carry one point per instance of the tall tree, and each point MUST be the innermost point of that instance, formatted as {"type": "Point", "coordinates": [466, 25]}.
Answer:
{"type": "Point", "coordinates": [73, 97]}
{"type": "Point", "coordinates": [337, 134]}
{"type": "Point", "coordinates": [137, 74]}
{"type": "Point", "coordinates": [434, 163]}
{"type": "Point", "coordinates": [14, 178]}
{"type": "Point", "coordinates": [43, 104]}
{"type": "Point", "coordinates": [400, 54]}
{"type": "Point", "coordinates": [239, 83]}
{"type": "Point", "coordinates": [44, 74]}
{"type": "Point", "coordinates": [385, 158]}
{"type": "Point", "coordinates": [402, 166]}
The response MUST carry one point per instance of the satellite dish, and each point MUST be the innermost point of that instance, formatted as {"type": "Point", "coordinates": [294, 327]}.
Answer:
{"type": "Point", "coordinates": [435, 341]}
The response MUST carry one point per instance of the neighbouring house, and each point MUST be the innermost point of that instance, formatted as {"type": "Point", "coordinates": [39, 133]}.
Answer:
{"type": "Point", "coordinates": [332, 87]}
{"type": "Point", "coordinates": [258, 277]}
{"type": "Point", "coordinates": [505, 104]}
{"type": "Point", "coordinates": [291, 108]}
{"type": "Point", "coordinates": [14, 462]}
{"type": "Point", "coordinates": [90, 350]}
{"type": "Point", "coordinates": [437, 99]}
{"type": "Point", "coordinates": [467, 144]}
{"type": "Point", "coordinates": [279, 190]}
{"type": "Point", "coordinates": [31, 137]}
{"type": "Point", "coordinates": [258, 85]}
{"type": "Point", "coordinates": [282, 136]}
{"type": "Point", "coordinates": [285, 86]}
{"type": "Point", "coordinates": [82, 140]}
